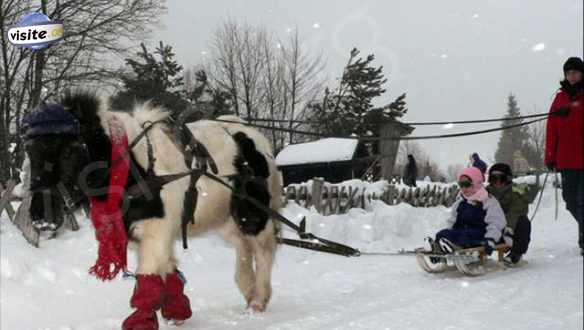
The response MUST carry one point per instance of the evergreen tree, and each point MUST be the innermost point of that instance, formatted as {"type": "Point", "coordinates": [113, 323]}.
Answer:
{"type": "Point", "coordinates": [212, 102]}
{"type": "Point", "coordinates": [512, 139]}
{"type": "Point", "coordinates": [343, 112]}
{"type": "Point", "coordinates": [154, 76]}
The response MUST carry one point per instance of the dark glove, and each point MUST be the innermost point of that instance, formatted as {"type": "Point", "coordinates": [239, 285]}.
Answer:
{"type": "Point", "coordinates": [489, 246]}
{"type": "Point", "coordinates": [551, 167]}
{"type": "Point", "coordinates": [562, 112]}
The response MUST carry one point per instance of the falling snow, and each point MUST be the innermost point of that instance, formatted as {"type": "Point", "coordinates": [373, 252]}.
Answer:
{"type": "Point", "coordinates": [448, 126]}
{"type": "Point", "coordinates": [539, 47]}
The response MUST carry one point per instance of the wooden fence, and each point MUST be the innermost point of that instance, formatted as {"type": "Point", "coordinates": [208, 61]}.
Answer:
{"type": "Point", "coordinates": [337, 200]}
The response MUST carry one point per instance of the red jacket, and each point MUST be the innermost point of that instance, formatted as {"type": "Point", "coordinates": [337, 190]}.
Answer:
{"type": "Point", "coordinates": [564, 145]}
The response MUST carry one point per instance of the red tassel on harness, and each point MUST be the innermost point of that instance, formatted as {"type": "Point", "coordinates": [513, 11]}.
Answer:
{"type": "Point", "coordinates": [107, 215]}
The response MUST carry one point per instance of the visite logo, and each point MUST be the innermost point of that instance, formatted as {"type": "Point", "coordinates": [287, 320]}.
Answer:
{"type": "Point", "coordinates": [35, 31]}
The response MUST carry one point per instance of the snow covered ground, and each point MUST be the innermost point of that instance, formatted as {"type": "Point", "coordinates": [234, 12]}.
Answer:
{"type": "Point", "coordinates": [49, 288]}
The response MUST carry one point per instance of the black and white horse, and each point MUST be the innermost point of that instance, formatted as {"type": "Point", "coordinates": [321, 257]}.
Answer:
{"type": "Point", "coordinates": [153, 221]}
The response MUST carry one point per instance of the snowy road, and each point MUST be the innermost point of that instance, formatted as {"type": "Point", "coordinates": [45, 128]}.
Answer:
{"type": "Point", "coordinates": [50, 288]}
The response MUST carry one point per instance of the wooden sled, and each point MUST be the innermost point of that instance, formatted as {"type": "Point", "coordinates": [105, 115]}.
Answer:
{"type": "Point", "coordinates": [22, 220]}
{"type": "Point", "coordinates": [469, 261]}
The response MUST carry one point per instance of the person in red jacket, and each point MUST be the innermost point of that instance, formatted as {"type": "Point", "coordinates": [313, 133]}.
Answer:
{"type": "Point", "coordinates": [564, 149]}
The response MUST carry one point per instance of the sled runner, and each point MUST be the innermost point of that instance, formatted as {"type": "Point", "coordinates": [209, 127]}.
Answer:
{"type": "Point", "coordinates": [469, 261]}
{"type": "Point", "coordinates": [5, 199]}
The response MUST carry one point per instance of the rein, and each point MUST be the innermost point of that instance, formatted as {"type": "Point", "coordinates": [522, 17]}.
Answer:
{"type": "Point", "coordinates": [194, 150]}
{"type": "Point", "coordinates": [315, 243]}
{"type": "Point", "coordinates": [191, 149]}
{"type": "Point", "coordinates": [323, 245]}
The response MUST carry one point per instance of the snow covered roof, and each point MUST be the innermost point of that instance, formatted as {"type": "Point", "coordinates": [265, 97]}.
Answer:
{"type": "Point", "coordinates": [321, 151]}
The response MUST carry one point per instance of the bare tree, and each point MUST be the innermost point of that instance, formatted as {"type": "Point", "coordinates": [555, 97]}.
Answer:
{"type": "Point", "coordinates": [426, 165]}
{"type": "Point", "coordinates": [452, 172]}
{"type": "Point", "coordinates": [238, 64]}
{"type": "Point", "coordinates": [14, 62]}
{"type": "Point", "coordinates": [408, 147]}
{"type": "Point", "coordinates": [304, 80]}
{"type": "Point", "coordinates": [95, 33]}
{"type": "Point", "coordinates": [266, 77]}
{"type": "Point", "coordinates": [535, 150]}
{"type": "Point", "coordinates": [276, 100]}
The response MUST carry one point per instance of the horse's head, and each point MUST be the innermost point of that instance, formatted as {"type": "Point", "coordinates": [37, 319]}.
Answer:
{"type": "Point", "coordinates": [56, 144]}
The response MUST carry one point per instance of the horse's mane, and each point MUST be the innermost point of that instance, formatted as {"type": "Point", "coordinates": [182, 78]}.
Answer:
{"type": "Point", "coordinates": [87, 107]}
{"type": "Point", "coordinates": [91, 109]}
{"type": "Point", "coordinates": [83, 105]}
{"type": "Point", "coordinates": [146, 112]}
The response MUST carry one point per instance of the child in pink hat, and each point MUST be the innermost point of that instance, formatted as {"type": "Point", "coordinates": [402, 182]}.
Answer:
{"type": "Point", "coordinates": [476, 218]}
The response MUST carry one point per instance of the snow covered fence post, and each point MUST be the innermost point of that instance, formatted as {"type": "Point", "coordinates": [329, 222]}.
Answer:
{"type": "Point", "coordinates": [23, 220]}
{"type": "Point", "coordinates": [6, 197]}
{"type": "Point", "coordinates": [333, 199]}
{"type": "Point", "coordinates": [316, 198]}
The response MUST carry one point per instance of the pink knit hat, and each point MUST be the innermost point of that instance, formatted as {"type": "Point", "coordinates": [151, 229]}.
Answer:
{"type": "Point", "coordinates": [475, 175]}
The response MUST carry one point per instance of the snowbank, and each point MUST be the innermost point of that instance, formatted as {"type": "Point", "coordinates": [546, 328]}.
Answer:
{"type": "Point", "coordinates": [49, 288]}
{"type": "Point", "coordinates": [380, 228]}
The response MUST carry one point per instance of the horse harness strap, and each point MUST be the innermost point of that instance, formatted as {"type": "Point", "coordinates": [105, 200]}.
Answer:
{"type": "Point", "coordinates": [192, 149]}
{"type": "Point", "coordinates": [308, 240]}
{"type": "Point", "coordinates": [146, 127]}
{"type": "Point", "coordinates": [190, 196]}
{"type": "Point", "coordinates": [314, 242]}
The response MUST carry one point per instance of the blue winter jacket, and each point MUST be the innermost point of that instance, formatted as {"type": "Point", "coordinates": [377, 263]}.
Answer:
{"type": "Point", "coordinates": [487, 217]}
{"type": "Point", "coordinates": [479, 163]}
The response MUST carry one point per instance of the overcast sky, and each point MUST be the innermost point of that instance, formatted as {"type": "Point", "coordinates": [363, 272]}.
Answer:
{"type": "Point", "coordinates": [456, 59]}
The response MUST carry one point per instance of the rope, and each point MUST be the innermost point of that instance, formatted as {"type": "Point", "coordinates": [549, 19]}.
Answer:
{"type": "Point", "coordinates": [556, 184]}
{"type": "Point", "coordinates": [400, 252]}
{"type": "Point", "coordinates": [478, 121]}
{"type": "Point", "coordinates": [427, 137]}
{"type": "Point", "coordinates": [540, 196]}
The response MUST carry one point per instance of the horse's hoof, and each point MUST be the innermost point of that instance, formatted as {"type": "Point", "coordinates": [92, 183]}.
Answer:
{"type": "Point", "coordinates": [256, 306]}
{"type": "Point", "coordinates": [174, 323]}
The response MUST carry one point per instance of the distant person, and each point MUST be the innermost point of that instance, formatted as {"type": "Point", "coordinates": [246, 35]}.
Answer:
{"type": "Point", "coordinates": [564, 148]}
{"type": "Point", "coordinates": [476, 161]}
{"type": "Point", "coordinates": [411, 172]}
{"type": "Point", "coordinates": [514, 201]}
{"type": "Point", "coordinates": [476, 218]}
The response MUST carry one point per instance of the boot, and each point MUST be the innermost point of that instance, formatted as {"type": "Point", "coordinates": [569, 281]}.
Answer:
{"type": "Point", "coordinates": [432, 246]}
{"type": "Point", "coordinates": [147, 298]}
{"type": "Point", "coordinates": [511, 259]}
{"type": "Point", "coordinates": [447, 246]}
{"type": "Point", "coordinates": [175, 304]}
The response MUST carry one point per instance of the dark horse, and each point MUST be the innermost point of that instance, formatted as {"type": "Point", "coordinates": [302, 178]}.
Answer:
{"type": "Point", "coordinates": [83, 144]}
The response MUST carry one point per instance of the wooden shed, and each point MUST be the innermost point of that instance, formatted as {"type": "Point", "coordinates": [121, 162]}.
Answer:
{"type": "Point", "coordinates": [333, 159]}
